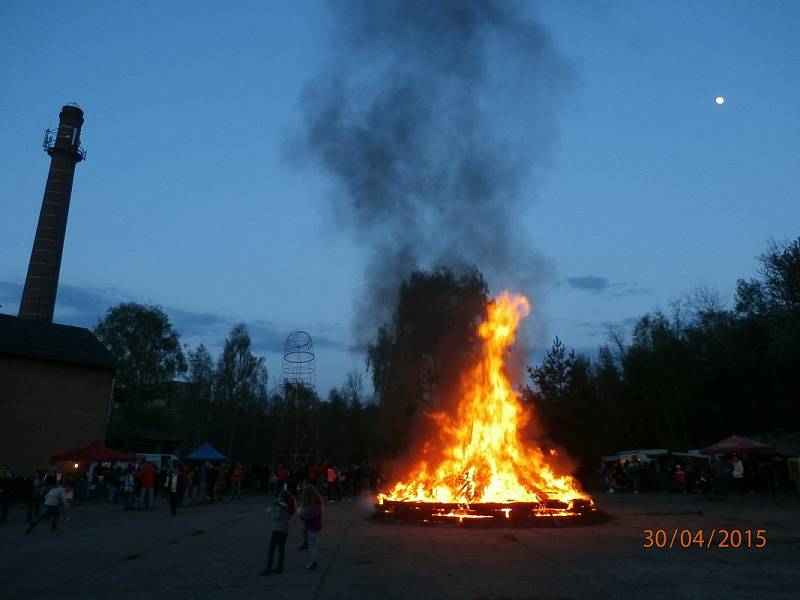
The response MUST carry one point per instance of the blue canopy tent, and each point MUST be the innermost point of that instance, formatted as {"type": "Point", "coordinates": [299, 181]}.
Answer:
{"type": "Point", "coordinates": [206, 452]}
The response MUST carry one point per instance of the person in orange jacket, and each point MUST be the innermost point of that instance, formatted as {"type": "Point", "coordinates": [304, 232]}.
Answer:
{"type": "Point", "coordinates": [237, 474]}
{"type": "Point", "coordinates": [148, 479]}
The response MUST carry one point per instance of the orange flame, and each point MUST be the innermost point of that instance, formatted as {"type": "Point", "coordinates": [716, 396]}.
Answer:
{"type": "Point", "coordinates": [483, 458]}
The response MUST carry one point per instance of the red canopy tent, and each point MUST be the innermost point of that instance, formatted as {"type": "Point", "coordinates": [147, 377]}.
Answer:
{"type": "Point", "coordinates": [94, 452]}
{"type": "Point", "coordinates": [738, 445]}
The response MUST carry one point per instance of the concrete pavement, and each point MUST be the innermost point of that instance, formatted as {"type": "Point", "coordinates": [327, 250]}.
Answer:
{"type": "Point", "coordinates": [218, 551]}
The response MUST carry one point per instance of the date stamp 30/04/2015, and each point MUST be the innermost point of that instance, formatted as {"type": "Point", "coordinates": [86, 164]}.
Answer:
{"type": "Point", "coordinates": [662, 539]}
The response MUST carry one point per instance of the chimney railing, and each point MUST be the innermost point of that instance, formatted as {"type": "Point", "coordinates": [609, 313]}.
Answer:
{"type": "Point", "coordinates": [60, 138]}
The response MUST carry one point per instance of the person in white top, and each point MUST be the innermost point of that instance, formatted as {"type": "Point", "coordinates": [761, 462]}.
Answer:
{"type": "Point", "coordinates": [738, 474]}
{"type": "Point", "coordinates": [53, 502]}
{"type": "Point", "coordinates": [172, 487]}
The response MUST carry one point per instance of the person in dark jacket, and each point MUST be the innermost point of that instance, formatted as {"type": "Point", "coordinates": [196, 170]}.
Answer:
{"type": "Point", "coordinates": [311, 515]}
{"type": "Point", "coordinates": [35, 495]}
{"type": "Point", "coordinates": [6, 490]}
{"type": "Point", "coordinates": [172, 484]}
{"type": "Point", "coordinates": [282, 512]}
{"type": "Point", "coordinates": [211, 479]}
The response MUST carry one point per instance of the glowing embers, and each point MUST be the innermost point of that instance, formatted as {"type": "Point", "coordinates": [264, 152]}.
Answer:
{"type": "Point", "coordinates": [516, 513]}
{"type": "Point", "coordinates": [476, 467]}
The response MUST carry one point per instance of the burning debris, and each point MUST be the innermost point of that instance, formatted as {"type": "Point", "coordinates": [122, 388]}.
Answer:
{"type": "Point", "coordinates": [479, 468]}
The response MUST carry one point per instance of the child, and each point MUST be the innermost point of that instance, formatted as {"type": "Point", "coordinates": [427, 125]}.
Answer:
{"type": "Point", "coordinates": [52, 507]}
{"type": "Point", "coordinates": [311, 515]}
{"type": "Point", "coordinates": [281, 513]}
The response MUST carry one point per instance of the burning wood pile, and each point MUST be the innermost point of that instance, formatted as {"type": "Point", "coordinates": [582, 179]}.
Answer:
{"type": "Point", "coordinates": [479, 468]}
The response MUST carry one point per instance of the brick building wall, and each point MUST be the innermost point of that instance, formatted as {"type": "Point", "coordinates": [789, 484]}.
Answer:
{"type": "Point", "coordinates": [49, 407]}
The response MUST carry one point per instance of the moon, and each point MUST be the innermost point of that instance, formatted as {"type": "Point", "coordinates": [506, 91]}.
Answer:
{"type": "Point", "coordinates": [719, 100]}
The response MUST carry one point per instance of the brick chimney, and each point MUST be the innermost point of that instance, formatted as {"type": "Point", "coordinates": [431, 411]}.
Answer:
{"type": "Point", "coordinates": [41, 284]}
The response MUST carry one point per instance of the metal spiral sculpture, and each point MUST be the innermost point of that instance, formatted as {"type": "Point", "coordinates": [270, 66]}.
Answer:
{"type": "Point", "coordinates": [298, 361]}
{"type": "Point", "coordinates": [298, 376]}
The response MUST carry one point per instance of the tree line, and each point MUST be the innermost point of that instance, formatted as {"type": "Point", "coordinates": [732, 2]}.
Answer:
{"type": "Point", "coordinates": [165, 391]}
{"type": "Point", "coordinates": [687, 376]}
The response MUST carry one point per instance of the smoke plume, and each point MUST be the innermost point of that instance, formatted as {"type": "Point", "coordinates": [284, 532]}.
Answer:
{"type": "Point", "coordinates": [433, 118]}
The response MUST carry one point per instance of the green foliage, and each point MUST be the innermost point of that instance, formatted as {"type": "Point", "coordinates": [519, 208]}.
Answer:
{"type": "Point", "coordinates": [149, 354]}
{"type": "Point", "coordinates": [241, 380]}
{"type": "Point", "coordinates": [555, 373]}
{"type": "Point", "coordinates": [145, 344]}
{"type": "Point", "coordinates": [416, 360]}
{"type": "Point", "coordinates": [685, 379]}
{"type": "Point", "coordinates": [201, 378]}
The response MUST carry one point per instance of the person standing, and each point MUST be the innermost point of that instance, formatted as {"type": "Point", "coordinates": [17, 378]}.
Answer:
{"type": "Point", "coordinates": [183, 483]}
{"type": "Point", "coordinates": [281, 514]}
{"type": "Point", "coordinates": [172, 487]}
{"type": "Point", "coordinates": [283, 480]}
{"type": "Point", "coordinates": [35, 490]}
{"type": "Point", "coordinates": [236, 482]}
{"type": "Point", "coordinates": [211, 482]}
{"type": "Point", "coordinates": [738, 474]}
{"type": "Point", "coordinates": [128, 489]}
{"type": "Point", "coordinates": [55, 498]}
{"type": "Point", "coordinates": [114, 479]}
{"type": "Point", "coordinates": [341, 480]}
{"type": "Point", "coordinates": [188, 484]}
{"type": "Point", "coordinates": [66, 500]}
{"type": "Point", "coordinates": [222, 481]}
{"type": "Point", "coordinates": [6, 489]}
{"type": "Point", "coordinates": [635, 473]}
{"type": "Point", "coordinates": [311, 515]}
{"type": "Point", "coordinates": [331, 483]}
{"type": "Point", "coordinates": [148, 480]}
{"type": "Point", "coordinates": [196, 485]}
{"type": "Point", "coordinates": [202, 476]}
{"type": "Point", "coordinates": [680, 479]}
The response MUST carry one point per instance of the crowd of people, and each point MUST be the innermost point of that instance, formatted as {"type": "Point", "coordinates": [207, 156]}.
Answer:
{"type": "Point", "coordinates": [685, 475]}
{"type": "Point", "coordinates": [336, 482]}
{"type": "Point", "coordinates": [47, 495]}
{"type": "Point", "coordinates": [137, 486]}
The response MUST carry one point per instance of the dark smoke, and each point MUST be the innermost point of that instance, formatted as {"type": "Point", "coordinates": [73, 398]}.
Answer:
{"type": "Point", "coordinates": [432, 118]}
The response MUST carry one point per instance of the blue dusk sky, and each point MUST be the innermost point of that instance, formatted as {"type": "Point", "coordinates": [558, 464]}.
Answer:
{"type": "Point", "coordinates": [193, 198]}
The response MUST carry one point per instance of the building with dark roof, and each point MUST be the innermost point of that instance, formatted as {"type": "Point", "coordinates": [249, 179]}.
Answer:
{"type": "Point", "coordinates": [56, 383]}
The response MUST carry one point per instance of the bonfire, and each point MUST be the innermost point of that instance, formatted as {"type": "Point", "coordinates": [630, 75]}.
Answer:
{"type": "Point", "coordinates": [480, 467]}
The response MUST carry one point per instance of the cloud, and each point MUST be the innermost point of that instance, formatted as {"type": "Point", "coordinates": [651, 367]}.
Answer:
{"type": "Point", "coordinates": [268, 337]}
{"type": "Point", "coordinates": [10, 293]}
{"type": "Point", "coordinates": [84, 306]}
{"type": "Point", "coordinates": [600, 330]}
{"type": "Point", "coordinates": [626, 289]}
{"type": "Point", "coordinates": [74, 305]}
{"type": "Point", "coordinates": [588, 282]}
{"type": "Point", "coordinates": [597, 285]}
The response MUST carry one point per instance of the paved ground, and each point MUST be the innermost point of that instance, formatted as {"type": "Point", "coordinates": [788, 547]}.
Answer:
{"type": "Point", "coordinates": [217, 552]}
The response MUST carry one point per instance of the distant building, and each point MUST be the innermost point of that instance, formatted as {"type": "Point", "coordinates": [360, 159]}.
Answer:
{"type": "Point", "coordinates": [165, 438]}
{"type": "Point", "coordinates": [56, 384]}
